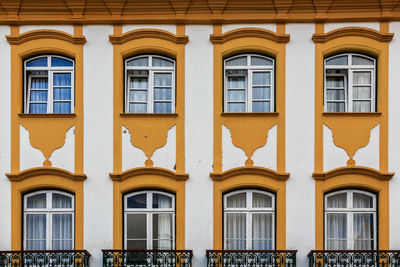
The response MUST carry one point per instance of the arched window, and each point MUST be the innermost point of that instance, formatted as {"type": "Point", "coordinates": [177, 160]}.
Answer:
{"type": "Point", "coordinates": [350, 220]}
{"type": "Point", "coordinates": [249, 83]}
{"type": "Point", "coordinates": [249, 220]}
{"type": "Point", "coordinates": [49, 84]}
{"type": "Point", "coordinates": [149, 220]}
{"type": "Point", "coordinates": [150, 84]}
{"type": "Point", "coordinates": [49, 220]}
{"type": "Point", "coordinates": [350, 83]}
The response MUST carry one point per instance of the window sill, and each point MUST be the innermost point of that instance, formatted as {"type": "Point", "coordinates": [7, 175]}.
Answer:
{"type": "Point", "coordinates": [47, 115]}
{"type": "Point", "coordinates": [351, 114]}
{"type": "Point", "coordinates": [149, 115]}
{"type": "Point", "coordinates": [250, 114]}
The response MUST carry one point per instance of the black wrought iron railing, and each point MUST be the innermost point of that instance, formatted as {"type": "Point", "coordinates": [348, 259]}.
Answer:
{"type": "Point", "coordinates": [147, 258]}
{"type": "Point", "coordinates": [251, 258]}
{"type": "Point", "coordinates": [354, 258]}
{"type": "Point", "coordinates": [45, 258]}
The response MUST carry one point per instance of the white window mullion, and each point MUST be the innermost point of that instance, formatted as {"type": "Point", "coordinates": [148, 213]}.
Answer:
{"type": "Point", "coordinates": [50, 93]}
{"type": "Point", "coordinates": [49, 221]}
{"type": "Point", "coordinates": [249, 236]}
{"type": "Point", "coordinates": [150, 93]}
{"type": "Point", "coordinates": [272, 92]}
{"type": "Point", "coordinates": [149, 230]}
{"type": "Point", "coordinates": [249, 94]}
{"type": "Point", "coordinates": [350, 90]}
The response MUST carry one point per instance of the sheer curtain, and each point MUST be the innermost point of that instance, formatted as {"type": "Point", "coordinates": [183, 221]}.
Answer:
{"type": "Point", "coordinates": [62, 92]}
{"type": "Point", "coordinates": [62, 231]}
{"type": "Point", "coordinates": [337, 231]}
{"type": "Point", "coordinates": [262, 231]}
{"type": "Point", "coordinates": [162, 92]}
{"type": "Point", "coordinates": [164, 229]}
{"type": "Point", "coordinates": [38, 95]}
{"type": "Point", "coordinates": [362, 91]}
{"type": "Point", "coordinates": [35, 231]}
{"type": "Point", "coordinates": [235, 231]}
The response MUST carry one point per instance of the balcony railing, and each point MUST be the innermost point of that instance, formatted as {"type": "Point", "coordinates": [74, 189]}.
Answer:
{"type": "Point", "coordinates": [45, 258]}
{"type": "Point", "coordinates": [147, 258]}
{"type": "Point", "coordinates": [253, 258]}
{"type": "Point", "coordinates": [354, 258]}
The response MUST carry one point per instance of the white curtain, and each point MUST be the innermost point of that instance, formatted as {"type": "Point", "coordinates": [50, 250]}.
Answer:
{"type": "Point", "coordinates": [162, 92]}
{"type": "Point", "coordinates": [362, 201]}
{"type": "Point", "coordinates": [38, 93]}
{"type": "Point", "coordinates": [61, 201]}
{"type": "Point", "coordinates": [363, 231]}
{"type": "Point", "coordinates": [164, 230]}
{"type": "Point", "coordinates": [262, 231]}
{"type": "Point", "coordinates": [337, 201]}
{"type": "Point", "coordinates": [62, 92]}
{"type": "Point", "coordinates": [236, 201]}
{"type": "Point", "coordinates": [337, 231]}
{"type": "Point", "coordinates": [235, 231]}
{"type": "Point", "coordinates": [261, 201]}
{"type": "Point", "coordinates": [35, 232]}
{"type": "Point", "coordinates": [362, 90]}
{"type": "Point", "coordinates": [62, 231]}
{"type": "Point", "coordinates": [37, 201]}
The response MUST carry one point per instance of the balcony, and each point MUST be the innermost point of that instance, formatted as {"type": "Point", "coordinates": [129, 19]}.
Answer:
{"type": "Point", "coordinates": [354, 258]}
{"type": "Point", "coordinates": [45, 258]}
{"type": "Point", "coordinates": [147, 258]}
{"type": "Point", "coordinates": [253, 258]}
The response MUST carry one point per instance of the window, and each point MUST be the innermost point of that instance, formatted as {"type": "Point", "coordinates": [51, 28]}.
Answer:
{"type": "Point", "coordinates": [149, 218]}
{"type": "Point", "coordinates": [249, 217]}
{"type": "Point", "coordinates": [49, 84]}
{"type": "Point", "coordinates": [249, 83]}
{"type": "Point", "coordinates": [48, 221]}
{"type": "Point", "coordinates": [350, 220]}
{"type": "Point", "coordinates": [150, 84]}
{"type": "Point", "coordinates": [350, 83]}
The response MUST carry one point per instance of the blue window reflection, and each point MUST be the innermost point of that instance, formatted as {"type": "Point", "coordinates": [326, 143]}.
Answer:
{"type": "Point", "coordinates": [60, 62]}
{"type": "Point", "coordinates": [39, 62]}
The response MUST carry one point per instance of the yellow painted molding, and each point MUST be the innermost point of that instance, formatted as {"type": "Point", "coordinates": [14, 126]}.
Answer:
{"type": "Point", "coordinates": [260, 171]}
{"type": "Point", "coordinates": [41, 171]}
{"type": "Point", "coordinates": [47, 115]}
{"type": "Point", "coordinates": [148, 171]}
{"type": "Point", "coordinates": [48, 34]}
{"type": "Point", "coordinates": [249, 32]}
{"type": "Point", "coordinates": [148, 33]}
{"type": "Point", "coordinates": [357, 170]}
{"type": "Point", "coordinates": [352, 32]}
{"type": "Point", "coordinates": [352, 114]}
{"type": "Point", "coordinates": [249, 114]}
{"type": "Point", "coordinates": [148, 115]}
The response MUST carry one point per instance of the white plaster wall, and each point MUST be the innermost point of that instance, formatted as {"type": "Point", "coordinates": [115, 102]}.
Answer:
{"type": "Point", "coordinates": [165, 157]}
{"type": "Point", "coordinates": [267, 26]}
{"type": "Point", "coordinates": [5, 141]}
{"type": "Point", "coordinates": [300, 193]}
{"type": "Point", "coordinates": [369, 155]}
{"type": "Point", "coordinates": [64, 28]}
{"type": "Point", "coordinates": [98, 141]}
{"type": "Point", "coordinates": [199, 142]}
{"type": "Point", "coordinates": [266, 156]}
{"type": "Point", "coordinates": [333, 26]}
{"type": "Point", "coordinates": [64, 157]}
{"type": "Point", "coordinates": [29, 156]}
{"type": "Point", "coordinates": [333, 156]}
{"type": "Point", "coordinates": [165, 27]}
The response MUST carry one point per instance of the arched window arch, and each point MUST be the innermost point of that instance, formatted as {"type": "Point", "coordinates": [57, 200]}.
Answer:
{"type": "Point", "coordinates": [150, 84]}
{"type": "Point", "coordinates": [149, 220]}
{"type": "Point", "coordinates": [350, 81]}
{"type": "Point", "coordinates": [49, 84]}
{"type": "Point", "coordinates": [249, 83]}
{"type": "Point", "coordinates": [350, 220]}
{"type": "Point", "coordinates": [49, 217]}
{"type": "Point", "coordinates": [249, 220]}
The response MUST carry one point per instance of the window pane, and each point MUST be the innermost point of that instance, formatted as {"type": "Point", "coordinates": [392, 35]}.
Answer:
{"type": "Point", "coordinates": [138, 108]}
{"type": "Point", "coordinates": [38, 96]}
{"type": "Point", "coordinates": [35, 244]}
{"type": "Point", "coordinates": [261, 106]}
{"type": "Point", "coordinates": [337, 225]}
{"type": "Point", "coordinates": [262, 226]}
{"type": "Point", "coordinates": [136, 226]}
{"type": "Point", "coordinates": [62, 79]}
{"type": "Point", "coordinates": [336, 244]}
{"type": "Point", "coordinates": [261, 201]}
{"type": "Point", "coordinates": [137, 201]}
{"type": "Point", "coordinates": [39, 83]}
{"type": "Point", "coordinates": [362, 201]}
{"type": "Point", "coordinates": [335, 107]}
{"type": "Point", "coordinates": [236, 229]}
{"type": "Point", "coordinates": [239, 61]}
{"type": "Point", "coordinates": [39, 62]}
{"type": "Point", "coordinates": [60, 62]}
{"type": "Point", "coordinates": [162, 94]}
{"type": "Point", "coordinates": [236, 95]}
{"type": "Point", "coordinates": [162, 230]}
{"type": "Point", "coordinates": [62, 107]}
{"type": "Point", "coordinates": [161, 62]}
{"type": "Point", "coordinates": [162, 107]}
{"type": "Point", "coordinates": [61, 201]}
{"type": "Point", "coordinates": [62, 230]}
{"type": "Point", "coordinates": [36, 231]}
{"type": "Point", "coordinates": [361, 92]}
{"type": "Point", "coordinates": [143, 61]}
{"type": "Point", "coordinates": [37, 201]}
{"type": "Point", "coordinates": [335, 94]}
{"type": "Point", "coordinates": [362, 106]}
{"type": "Point", "coordinates": [136, 244]}
{"type": "Point", "coordinates": [262, 245]}
{"type": "Point", "coordinates": [37, 108]}
{"type": "Point", "coordinates": [362, 77]}
{"type": "Point", "coordinates": [236, 107]}
{"type": "Point", "coordinates": [236, 244]}
{"type": "Point", "coordinates": [62, 93]}
{"type": "Point", "coordinates": [260, 61]}
{"type": "Point", "coordinates": [138, 82]}
{"type": "Point", "coordinates": [335, 81]}
{"type": "Point", "coordinates": [337, 201]}
{"type": "Point", "coordinates": [357, 60]}
{"type": "Point", "coordinates": [342, 60]}
{"type": "Point", "coordinates": [236, 82]}
{"type": "Point", "coordinates": [261, 93]}
{"type": "Point", "coordinates": [140, 96]}
{"type": "Point", "coordinates": [236, 201]}
{"type": "Point", "coordinates": [161, 201]}
{"type": "Point", "coordinates": [62, 245]}
{"type": "Point", "coordinates": [363, 231]}
{"type": "Point", "coordinates": [261, 78]}
{"type": "Point", "coordinates": [162, 79]}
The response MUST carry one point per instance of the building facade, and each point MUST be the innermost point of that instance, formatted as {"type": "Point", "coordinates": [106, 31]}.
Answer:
{"type": "Point", "coordinates": [200, 125]}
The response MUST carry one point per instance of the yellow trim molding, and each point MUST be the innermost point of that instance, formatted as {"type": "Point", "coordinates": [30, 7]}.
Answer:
{"type": "Point", "coordinates": [260, 171]}
{"type": "Point", "coordinates": [352, 32]}
{"type": "Point", "coordinates": [41, 171]}
{"type": "Point", "coordinates": [357, 170]}
{"type": "Point", "coordinates": [220, 38]}
{"type": "Point", "coordinates": [148, 171]}
{"type": "Point", "coordinates": [45, 34]}
{"type": "Point", "coordinates": [148, 33]}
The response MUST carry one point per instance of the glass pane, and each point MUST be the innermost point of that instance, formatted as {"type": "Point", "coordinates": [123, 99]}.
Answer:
{"type": "Point", "coordinates": [261, 92]}
{"type": "Point", "coordinates": [162, 94]}
{"type": "Point", "coordinates": [62, 226]}
{"type": "Point", "coordinates": [136, 226]}
{"type": "Point", "coordinates": [140, 96]}
{"type": "Point", "coordinates": [260, 61]}
{"type": "Point", "coordinates": [136, 244]}
{"type": "Point", "coordinates": [337, 201]}
{"type": "Point", "coordinates": [239, 61]}
{"type": "Point", "coordinates": [142, 61]}
{"type": "Point", "coordinates": [38, 96]}
{"type": "Point", "coordinates": [261, 78]}
{"type": "Point", "coordinates": [337, 225]}
{"type": "Point", "coordinates": [362, 77]}
{"type": "Point", "coordinates": [138, 108]}
{"type": "Point", "coordinates": [137, 201]}
{"type": "Point", "coordinates": [261, 106]}
{"type": "Point", "coordinates": [62, 93]}
{"type": "Point", "coordinates": [335, 94]}
{"type": "Point", "coordinates": [36, 226]}
{"type": "Point", "coordinates": [162, 244]}
{"type": "Point", "coordinates": [262, 226]}
{"type": "Point", "coordinates": [236, 244]}
{"type": "Point", "coordinates": [262, 245]}
{"type": "Point", "coordinates": [62, 79]}
{"type": "Point", "coordinates": [363, 231]}
{"type": "Point", "coordinates": [362, 201]}
{"type": "Point", "coordinates": [61, 62]}
{"type": "Point", "coordinates": [364, 244]}
{"type": "Point", "coordinates": [237, 82]}
{"type": "Point", "coordinates": [336, 244]}
{"type": "Point", "coordinates": [235, 225]}
{"type": "Point", "coordinates": [162, 79]}
{"type": "Point", "coordinates": [62, 245]}
{"type": "Point", "coordinates": [236, 107]}
{"type": "Point", "coordinates": [261, 201]}
{"type": "Point", "coordinates": [236, 201]}
{"type": "Point", "coordinates": [39, 83]}
{"type": "Point", "coordinates": [162, 229]}
{"type": "Point", "coordinates": [138, 72]}
{"type": "Point", "coordinates": [236, 95]}
{"type": "Point", "coordinates": [39, 62]}
{"type": "Point", "coordinates": [161, 62]}
{"type": "Point", "coordinates": [35, 244]}
{"type": "Point", "coordinates": [162, 107]}
{"type": "Point", "coordinates": [161, 201]}
{"type": "Point", "coordinates": [138, 83]}
{"type": "Point", "coordinates": [335, 81]}
{"type": "Point", "coordinates": [342, 60]}
{"type": "Point", "coordinates": [61, 201]}
{"type": "Point", "coordinates": [361, 92]}
{"type": "Point", "coordinates": [357, 60]}
{"type": "Point", "coordinates": [37, 108]}
{"type": "Point", "coordinates": [335, 107]}
{"type": "Point", "coordinates": [62, 107]}
{"type": "Point", "coordinates": [362, 106]}
{"type": "Point", "coordinates": [37, 201]}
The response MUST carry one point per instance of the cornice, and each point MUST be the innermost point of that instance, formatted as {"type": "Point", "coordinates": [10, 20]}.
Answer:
{"type": "Point", "coordinates": [40, 171]}
{"type": "Point", "coordinates": [385, 176]}
{"type": "Point", "coordinates": [249, 32]}
{"type": "Point", "coordinates": [43, 34]}
{"type": "Point", "coordinates": [120, 176]}
{"type": "Point", "coordinates": [148, 33]}
{"type": "Point", "coordinates": [279, 176]}
{"type": "Point", "coordinates": [350, 32]}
